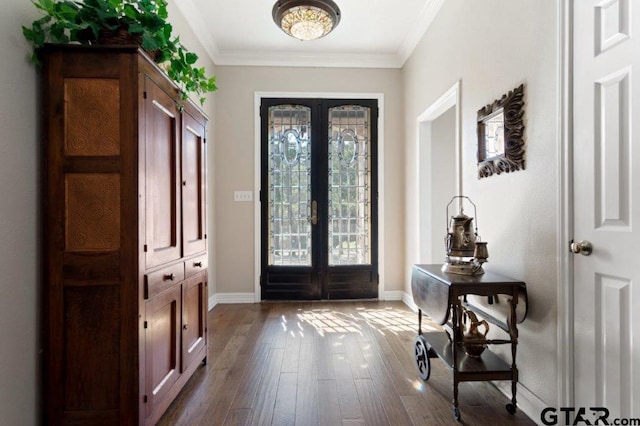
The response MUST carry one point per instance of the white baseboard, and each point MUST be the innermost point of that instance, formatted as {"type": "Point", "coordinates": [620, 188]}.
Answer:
{"type": "Point", "coordinates": [408, 300]}
{"type": "Point", "coordinates": [228, 298]}
{"type": "Point", "coordinates": [393, 295]}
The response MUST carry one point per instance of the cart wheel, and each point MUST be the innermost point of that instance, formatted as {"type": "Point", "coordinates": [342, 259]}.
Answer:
{"type": "Point", "coordinates": [511, 408]}
{"type": "Point", "coordinates": [456, 413]}
{"type": "Point", "coordinates": [422, 357]}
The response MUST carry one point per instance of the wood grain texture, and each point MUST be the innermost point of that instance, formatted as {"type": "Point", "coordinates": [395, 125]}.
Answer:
{"type": "Point", "coordinates": [194, 185]}
{"type": "Point", "coordinates": [340, 363]}
{"type": "Point", "coordinates": [194, 318]}
{"type": "Point", "coordinates": [162, 190]}
{"type": "Point", "coordinates": [91, 347]}
{"type": "Point", "coordinates": [92, 212]}
{"type": "Point", "coordinates": [162, 346]}
{"type": "Point", "coordinates": [92, 116]}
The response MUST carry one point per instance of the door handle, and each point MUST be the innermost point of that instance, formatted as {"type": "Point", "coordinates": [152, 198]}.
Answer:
{"type": "Point", "coordinates": [314, 213]}
{"type": "Point", "coordinates": [583, 247]}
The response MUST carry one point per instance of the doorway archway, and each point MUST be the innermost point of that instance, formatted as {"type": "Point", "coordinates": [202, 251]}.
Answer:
{"type": "Point", "coordinates": [438, 160]}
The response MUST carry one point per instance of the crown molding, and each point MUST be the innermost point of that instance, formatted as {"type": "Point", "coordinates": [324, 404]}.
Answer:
{"type": "Point", "coordinates": [426, 17]}
{"type": "Point", "coordinates": [199, 27]}
{"type": "Point", "coordinates": [308, 59]}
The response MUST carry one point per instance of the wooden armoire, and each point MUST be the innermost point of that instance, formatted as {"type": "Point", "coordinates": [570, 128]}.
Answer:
{"type": "Point", "coordinates": [125, 241]}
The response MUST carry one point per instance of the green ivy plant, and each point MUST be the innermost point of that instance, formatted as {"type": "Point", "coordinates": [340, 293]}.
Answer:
{"type": "Point", "coordinates": [85, 22]}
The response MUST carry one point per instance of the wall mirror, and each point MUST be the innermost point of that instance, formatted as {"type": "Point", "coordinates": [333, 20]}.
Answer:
{"type": "Point", "coordinates": [501, 135]}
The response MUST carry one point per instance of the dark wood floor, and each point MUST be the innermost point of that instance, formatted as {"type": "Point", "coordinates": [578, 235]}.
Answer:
{"type": "Point", "coordinates": [340, 363]}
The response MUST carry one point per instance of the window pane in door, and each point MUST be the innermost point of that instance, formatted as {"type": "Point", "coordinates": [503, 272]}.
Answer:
{"type": "Point", "coordinates": [349, 186]}
{"type": "Point", "coordinates": [289, 185]}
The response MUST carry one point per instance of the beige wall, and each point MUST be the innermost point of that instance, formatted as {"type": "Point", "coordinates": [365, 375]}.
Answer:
{"type": "Point", "coordinates": [19, 227]}
{"type": "Point", "coordinates": [234, 165]}
{"type": "Point", "coordinates": [20, 210]}
{"type": "Point", "coordinates": [492, 46]}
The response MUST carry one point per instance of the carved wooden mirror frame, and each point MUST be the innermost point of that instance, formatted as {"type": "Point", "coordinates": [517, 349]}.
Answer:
{"type": "Point", "coordinates": [510, 156]}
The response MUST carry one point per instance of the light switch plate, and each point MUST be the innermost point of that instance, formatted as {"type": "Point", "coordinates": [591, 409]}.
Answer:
{"type": "Point", "coordinates": [242, 196]}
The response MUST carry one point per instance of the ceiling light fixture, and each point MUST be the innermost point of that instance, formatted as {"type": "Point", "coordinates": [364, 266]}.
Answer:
{"type": "Point", "coordinates": [306, 19]}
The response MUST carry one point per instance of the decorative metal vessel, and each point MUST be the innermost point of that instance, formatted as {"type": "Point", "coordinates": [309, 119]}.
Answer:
{"type": "Point", "coordinates": [465, 253]}
{"type": "Point", "coordinates": [473, 340]}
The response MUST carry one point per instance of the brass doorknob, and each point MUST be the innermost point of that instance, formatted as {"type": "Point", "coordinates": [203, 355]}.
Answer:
{"type": "Point", "coordinates": [583, 247]}
{"type": "Point", "coordinates": [314, 213]}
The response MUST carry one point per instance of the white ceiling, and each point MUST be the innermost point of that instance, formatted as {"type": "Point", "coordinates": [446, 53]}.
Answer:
{"type": "Point", "coordinates": [371, 33]}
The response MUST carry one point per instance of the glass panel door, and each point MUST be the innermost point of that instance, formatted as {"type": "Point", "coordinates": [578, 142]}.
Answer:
{"type": "Point", "coordinates": [349, 186]}
{"type": "Point", "coordinates": [289, 185]}
{"type": "Point", "coordinates": [319, 199]}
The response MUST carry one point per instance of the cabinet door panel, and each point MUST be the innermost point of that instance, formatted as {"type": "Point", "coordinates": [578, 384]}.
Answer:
{"type": "Point", "coordinates": [162, 196]}
{"type": "Point", "coordinates": [193, 185]}
{"type": "Point", "coordinates": [162, 345]}
{"type": "Point", "coordinates": [91, 314]}
{"type": "Point", "coordinates": [194, 316]}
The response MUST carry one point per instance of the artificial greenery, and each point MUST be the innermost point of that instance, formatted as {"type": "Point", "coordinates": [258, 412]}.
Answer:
{"type": "Point", "coordinates": [86, 22]}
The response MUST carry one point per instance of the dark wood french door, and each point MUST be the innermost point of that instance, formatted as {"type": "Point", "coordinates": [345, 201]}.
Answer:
{"type": "Point", "coordinates": [319, 192]}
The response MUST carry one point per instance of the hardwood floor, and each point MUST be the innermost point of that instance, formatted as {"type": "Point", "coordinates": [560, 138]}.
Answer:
{"type": "Point", "coordinates": [320, 363]}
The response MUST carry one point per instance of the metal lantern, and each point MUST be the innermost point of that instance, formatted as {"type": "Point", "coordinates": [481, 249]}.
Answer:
{"type": "Point", "coordinates": [465, 252]}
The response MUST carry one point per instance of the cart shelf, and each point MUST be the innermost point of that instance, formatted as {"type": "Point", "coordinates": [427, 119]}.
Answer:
{"type": "Point", "coordinates": [469, 368]}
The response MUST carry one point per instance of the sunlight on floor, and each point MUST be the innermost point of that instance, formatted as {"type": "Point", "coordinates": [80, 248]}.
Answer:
{"type": "Point", "coordinates": [329, 321]}
{"type": "Point", "coordinates": [417, 385]}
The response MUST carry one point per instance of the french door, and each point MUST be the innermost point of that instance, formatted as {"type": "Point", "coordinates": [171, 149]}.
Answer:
{"type": "Point", "coordinates": [318, 197]}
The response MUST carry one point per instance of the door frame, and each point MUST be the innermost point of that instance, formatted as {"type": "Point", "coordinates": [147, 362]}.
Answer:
{"type": "Point", "coordinates": [257, 98]}
{"type": "Point", "coordinates": [565, 308]}
{"type": "Point", "coordinates": [448, 100]}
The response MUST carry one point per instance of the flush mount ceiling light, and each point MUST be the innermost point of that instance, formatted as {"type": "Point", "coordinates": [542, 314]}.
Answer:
{"type": "Point", "coordinates": [306, 19]}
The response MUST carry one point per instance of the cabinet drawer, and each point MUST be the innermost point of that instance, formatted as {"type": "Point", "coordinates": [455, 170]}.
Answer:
{"type": "Point", "coordinates": [195, 265]}
{"type": "Point", "coordinates": [159, 281]}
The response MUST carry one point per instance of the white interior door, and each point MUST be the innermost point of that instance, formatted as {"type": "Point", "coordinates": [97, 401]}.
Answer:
{"type": "Point", "coordinates": [606, 102]}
